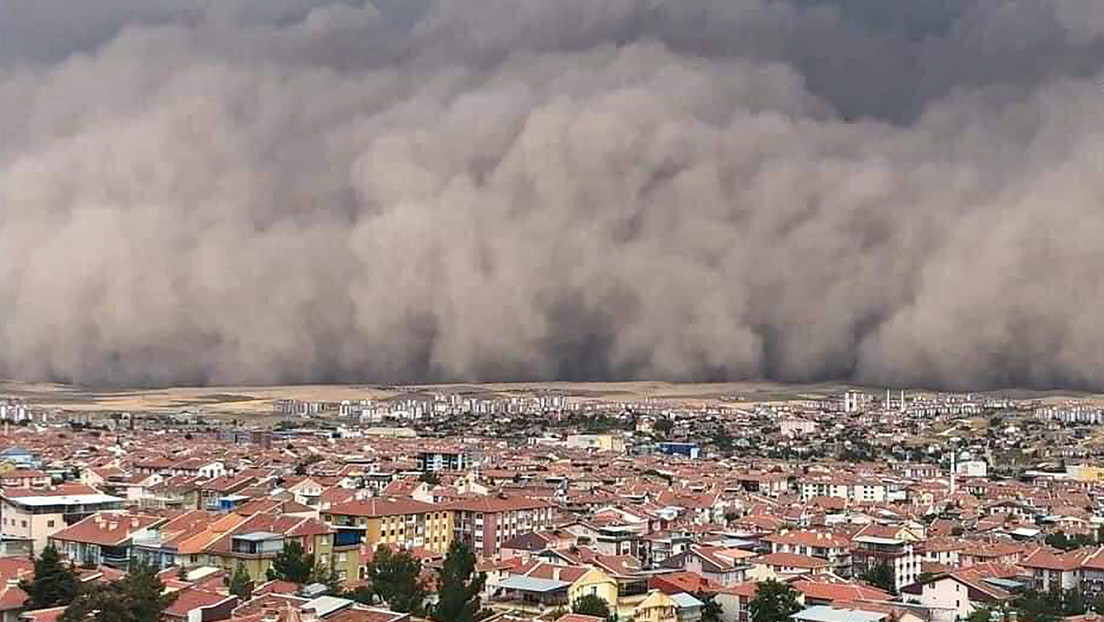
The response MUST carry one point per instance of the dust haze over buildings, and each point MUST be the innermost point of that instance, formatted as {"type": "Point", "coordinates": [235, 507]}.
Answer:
{"type": "Point", "coordinates": [271, 191]}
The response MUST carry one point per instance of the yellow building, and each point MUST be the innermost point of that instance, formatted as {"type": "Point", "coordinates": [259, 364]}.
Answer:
{"type": "Point", "coordinates": [254, 543]}
{"type": "Point", "coordinates": [403, 523]}
{"type": "Point", "coordinates": [1085, 473]}
{"type": "Point", "coordinates": [594, 583]}
{"type": "Point", "coordinates": [624, 595]}
{"type": "Point", "coordinates": [657, 607]}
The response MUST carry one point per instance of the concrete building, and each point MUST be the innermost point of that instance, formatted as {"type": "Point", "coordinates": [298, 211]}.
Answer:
{"type": "Point", "coordinates": [896, 553]}
{"type": "Point", "coordinates": [484, 523]}
{"type": "Point", "coordinates": [35, 515]}
{"type": "Point", "coordinates": [405, 523]}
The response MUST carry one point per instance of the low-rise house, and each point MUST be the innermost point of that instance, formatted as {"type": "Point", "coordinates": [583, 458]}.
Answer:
{"type": "Point", "coordinates": [102, 539]}
{"type": "Point", "coordinates": [832, 547]}
{"type": "Point", "coordinates": [962, 592]}
{"type": "Point", "coordinates": [722, 565]}
{"type": "Point", "coordinates": [1053, 571]}
{"type": "Point", "coordinates": [782, 566]}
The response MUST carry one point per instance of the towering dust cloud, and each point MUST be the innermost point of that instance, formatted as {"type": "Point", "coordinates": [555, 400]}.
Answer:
{"type": "Point", "coordinates": [270, 191]}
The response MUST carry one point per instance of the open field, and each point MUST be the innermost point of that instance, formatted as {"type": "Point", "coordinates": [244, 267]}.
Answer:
{"type": "Point", "coordinates": [257, 400]}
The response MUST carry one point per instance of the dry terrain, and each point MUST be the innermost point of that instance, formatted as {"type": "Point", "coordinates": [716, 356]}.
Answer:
{"type": "Point", "coordinates": [257, 400]}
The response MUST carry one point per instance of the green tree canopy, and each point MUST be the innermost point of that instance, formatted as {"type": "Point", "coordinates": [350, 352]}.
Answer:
{"type": "Point", "coordinates": [1068, 543]}
{"type": "Point", "coordinates": [327, 575]}
{"type": "Point", "coordinates": [591, 605]}
{"type": "Point", "coordinates": [292, 563]}
{"type": "Point", "coordinates": [137, 597]}
{"type": "Point", "coordinates": [774, 602]}
{"type": "Point", "coordinates": [458, 586]}
{"type": "Point", "coordinates": [241, 584]}
{"type": "Point", "coordinates": [711, 609]}
{"type": "Point", "coordinates": [395, 578]}
{"type": "Point", "coordinates": [54, 582]}
{"type": "Point", "coordinates": [881, 577]}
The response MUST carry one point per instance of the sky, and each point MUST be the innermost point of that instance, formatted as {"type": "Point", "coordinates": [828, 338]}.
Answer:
{"type": "Point", "coordinates": [286, 191]}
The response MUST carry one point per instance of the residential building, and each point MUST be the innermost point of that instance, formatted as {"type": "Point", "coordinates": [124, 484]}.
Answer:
{"type": "Point", "coordinates": [896, 553]}
{"type": "Point", "coordinates": [35, 515]}
{"type": "Point", "coordinates": [403, 523]}
{"type": "Point", "coordinates": [103, 538]}
{"type": "Point", "coordinates": [484, 523]}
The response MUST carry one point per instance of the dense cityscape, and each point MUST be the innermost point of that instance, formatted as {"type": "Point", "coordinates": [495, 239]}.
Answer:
{"type": "Point", "coordinates": [855, 506]}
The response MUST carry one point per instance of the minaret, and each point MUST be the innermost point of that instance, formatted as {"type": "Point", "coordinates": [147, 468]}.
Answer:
{"type": "Point", "coordinates": [902, 400]}
{"type": "Point", "coordinates": [954, 457]}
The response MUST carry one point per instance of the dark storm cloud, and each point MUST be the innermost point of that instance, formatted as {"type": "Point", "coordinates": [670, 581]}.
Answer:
{"type": "Point", "coordinates": [260, 191]}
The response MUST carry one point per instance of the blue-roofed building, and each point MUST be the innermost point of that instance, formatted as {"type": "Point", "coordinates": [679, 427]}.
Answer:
{"type": "Point", "coordinates": [688, 450]}
{"type": "Point", "coordinates": [689, 608]}
{"type": "Point", "coordinates": [19, 456]}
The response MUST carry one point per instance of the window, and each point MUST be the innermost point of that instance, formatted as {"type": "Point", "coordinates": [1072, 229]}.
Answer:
{"type": "Point", "coordinates": [49, 523]}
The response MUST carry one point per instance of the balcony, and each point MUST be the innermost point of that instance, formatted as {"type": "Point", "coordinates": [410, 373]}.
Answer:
{"type": "Point", "coordinates": [634, 588]}
{"type": "Point", "coordinates": [115, 558]}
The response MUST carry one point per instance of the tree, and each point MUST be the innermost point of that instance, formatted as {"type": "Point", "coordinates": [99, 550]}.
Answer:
{"type": "Point", "coordinates": [292, 564]}
{"type": "Point", "coordinates": [137, 597]}
{"type": "Point", "coordinates": [106, 604]}
{"type": "Point", "coordinates": [395, 578]}
{"type": "Point", "coordinates": [145, 593]}
{"type": "Point", "coordinates": [881, 577]}
{"type": "Point", "coordinates": [1073, 603]}
{"type": "Point", "coordinates": [458, 586]}
{"type": "Point", "coordinates": [1068, 543]}
{"type": "Point", "coordinates": [54, 583]}
{"type": "Point", "coordinates": [1097, 603]}
{"type": "Point", "coordinates": [430, 477]}
{"type": "Point", "coordinates": [591, 605]}
{"type": "Point", "coordinates": [663, 426]}
{"type": "Point", "coordinates": [774, 602]}
{"type": "Point", "coordinates": [711, 609]}
{"type": "Point", "coordinates": [327, 575]}
{"type": "Point", "coordinates": [363, 595]}
{"type": "Point", "coordinates": [241, 584]}
{"type": "Point", "coordinates": [1036, 606]}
